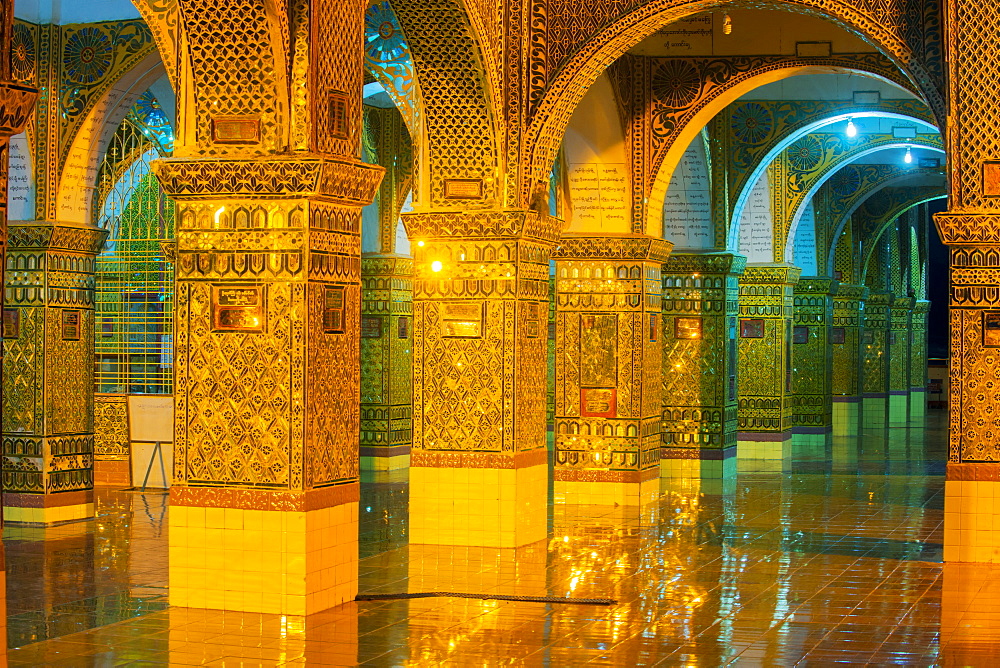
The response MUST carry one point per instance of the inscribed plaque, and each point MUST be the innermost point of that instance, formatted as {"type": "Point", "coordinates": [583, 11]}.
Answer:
{"type": "Point", "coordinates": [598, 342]}
{"type": "Point", "coordinates": [991, 329]}
{"type": "Point", "coordinates": [752, 329]}
{"type": "Point", "coordinates": [838, 335]}
{"type": "Point", "coordinates": [71, 319]}
{"type": "Point", "coordinates": [800, 334]}
{"type": "Point", "coordinates": [333, 309]}
{"type": "Point", "coordinates": [462, 319]}
{"type": "Point", "coordinates": [598, 402]}
{"type": "Point", "coordinates": [371, 327]}
{"type": "Point", "coordinates": [11, 323]}
{"type": "Point", "coordinates": [687, 328]}
{"type": "Point", "coordinates": [237, 308]}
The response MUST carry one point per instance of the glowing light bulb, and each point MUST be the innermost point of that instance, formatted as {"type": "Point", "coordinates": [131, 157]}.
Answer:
{"type": "Point", "coordinates": [908, 158]}
{"type": "Point", "coordinates": [727, 24]}
{"type": "Point", "coordinates": [436, 265]}
{"type": "Point", "coordinates": [420, 243]}
{"type": "Point", "coordinates": [852, 129]}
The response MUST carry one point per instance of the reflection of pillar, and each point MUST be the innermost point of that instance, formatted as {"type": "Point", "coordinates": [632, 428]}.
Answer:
{"type": "Point", "coordinates": [918, 359]}
{"type": "Point", "coordinates": [875, 368]}
{"type": "Point", "coordinates": [898, 351]}
{"type": "Point", "coordinates": [845, 343]}
{"type": "Point", "coordinates": [386, 359]}
{"type": "Point", "coordinates": [608, 366]}
{"type": "Point", "coordinates": [812, 362]}
{"type": "Point", "coordinates": [765, 331]}
{"type": "Point", "coordinates": [478, 470]}
{"type": "Point", "coordinates": [700, 306]}
{"type": "Point", "coordinates": [48, 409]}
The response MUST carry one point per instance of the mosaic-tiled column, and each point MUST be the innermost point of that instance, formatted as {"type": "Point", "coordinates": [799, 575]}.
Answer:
{"type": "Point", "coordinates": [875, 363]}
{"type": "Point", "coordinates": [899, 359]}
{"type": "Point", "coordinates": [608, 366]}
{"type": "Point", "coordinates": [700, 309]}
{"type": "Point", "coordinates": [386, 361]}
{"type": "Point", "coordinates": [764, 366]}
{"type": "Point", "coordinates": [267, 370]}
{"type": "Point", "coordinates": [48, 384]}
{"type": "Point", "coordinates": [845, 344]}
{"type": "Point", "coordinates": [918, 359]}
{"type": "Point", "coordinates": [812, 359]}
{"type": "Point", "coordinates": [478, 468]}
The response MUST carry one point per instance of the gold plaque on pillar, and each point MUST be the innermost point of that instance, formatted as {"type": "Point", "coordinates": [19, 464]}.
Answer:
{"type": "Point", "coordinates": [333, 310]}
{"type": "Point", "coordinates": [463, 320]}
{"type": "Point", "coordinates": [991, 329]}
{"type": "Point", "coordinates": [236, 130]}
{"type": "Point", "coordinates": [598, 349]}
{"type": "Point", "coordinates": [463, 188]}
{"type": "Point", "coordinates": [687, 328]}
{"type": "Point", "coordinates": [11, 323]}
{"type": "Point", "coordinates": [403, 328]}
{"type": "Point", "coordinates": [71, 327]}
{"type": "Point", "coordinates": [532, 325]}
{"type": "Point", "coordinates": [800, 334]}
{"type": "Point", "coordinates": [337, 108]}
{"type": "Point", "coordinates": [598, 402]}
{"type": "Point", "coordinates": [991, 178]}
{"type": "Point", "coordinates": [752, 328]}
{"type": "Point", "coordinates": [238, 308]}
{"type": "Point", "coordinates": [838, 335]}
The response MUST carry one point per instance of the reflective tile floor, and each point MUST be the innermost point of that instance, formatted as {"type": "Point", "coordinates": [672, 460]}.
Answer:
{"type": "Point", "coordinates": [837, 559]}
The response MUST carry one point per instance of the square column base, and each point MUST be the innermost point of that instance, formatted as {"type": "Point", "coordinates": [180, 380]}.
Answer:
{"type": "Point", "coordinates": [392, 458]}
{"type": "Point", "coordinates": [113, 473]}
{"type": "Point", "coordinates": [484, 507]}
{"type": "Point", "coordinates": [918, 403]}
{"type": "Point", "coordinates": [259, 556]}
{"type": "Point", "coordinates": [678, 463]}
{"type": "Point", "coordinates": [846, 415]}
{"type": "Point", "coordinates": [874, 410]}
{"type": "Point", "coordinates": [899, 409]}
{"type": "Point", "coordinates": [643, 489]}
{"type": "Point", "coordinates": [971, 502]}
{"type": "Point", "coordinates": [46, 509]}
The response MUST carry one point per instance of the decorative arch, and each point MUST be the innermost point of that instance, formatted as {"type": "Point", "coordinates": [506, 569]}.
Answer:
{"type": "Point", "coordinates": [667, 101]}
{"type": "Point", "coordinates": [561, 73]}
{"type": "Point", "coordinates": [881, 210]}
{"type": "Point", "coordinates": [806, 165]}
{"type": "Point", "coordinates": [852, 185]}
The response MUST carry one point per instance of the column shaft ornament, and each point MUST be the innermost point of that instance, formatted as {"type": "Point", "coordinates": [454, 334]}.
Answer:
{"type": "Point", "coordinates": [48, 412]}
{"type": "Point", "coordinates": [764, 367]}
{"type": "Point", "coordinates": [608, 366]}
{"type": "Point", "coordinates": [812, 360]}
{"type": "Point", "coordinates": [846, 343]}
{"type": "Point", "coordinates": [700, 309]}
{"type": "Point", "coordinates": [918, 352]}
{"type": "Point", "coordinates": [386, 361]}
{"type": "Point", "coordinates": [480, 306]}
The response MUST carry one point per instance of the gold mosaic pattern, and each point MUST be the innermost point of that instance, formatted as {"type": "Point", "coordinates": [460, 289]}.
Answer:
{"type": "Point", "coordinates": [812, 360]}
{"type": "Point", "coordinates": [874, 348]}
{"type": "Point", "coordinates": [699, 374]}
{"type": "Point", "coordinates": [848, 314]}
{"type": "Point", "coordinates": [111, 430]}
{"type": "Point", "coordinates": [766, 293]}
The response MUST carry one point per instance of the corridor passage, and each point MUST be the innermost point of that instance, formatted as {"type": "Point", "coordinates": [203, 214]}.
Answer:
{"type": "Point", "coordinates": [838, 558]}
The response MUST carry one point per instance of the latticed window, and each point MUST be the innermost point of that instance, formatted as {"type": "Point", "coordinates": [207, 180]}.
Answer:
{"type": "Point", "coordinates": [135, 293]}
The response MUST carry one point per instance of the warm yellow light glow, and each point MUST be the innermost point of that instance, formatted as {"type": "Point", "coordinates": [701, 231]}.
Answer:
{"type": "Point", "coordinates": [436, 265]}
{"type": "Point", "coordinates": [218, 214]}
{"type": "Point", "coordinates": [420, 243]}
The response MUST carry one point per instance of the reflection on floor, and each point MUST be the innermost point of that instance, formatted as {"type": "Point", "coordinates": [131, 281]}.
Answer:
{"type": "Point", "coordinates": [836, 559]}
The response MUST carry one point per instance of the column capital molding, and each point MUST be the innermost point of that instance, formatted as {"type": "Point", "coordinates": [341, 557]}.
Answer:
{"type": "Point", "coordinates": [54, 235]}
{"type": "Point", "coordinates": [294, 176]}
{"type": "Point", "coordinates": [705, 263]}
{"type": "Point", "coordinates": [879, 298]}
{"type": "Point", "coordinates": [612, 247]}
{"type": "Point", "coordinates": [385, 264]}
{"type": "Point", "coordinates": [906, 303]}
{"type": "Point", "coordinates": [820, 285]}
{"type": "Point", "coordinates": [846, 291]}
{"type": "Point", "coordinates": [958, 228]}
{"type": "Point", "coordinates": [771, 273]}
{"type": "Point", "coordinates": [17, 104]}
{"type": "Point", "coordinates": [921, 307]}
{"type": "Point", "coordinates": [472, 225]}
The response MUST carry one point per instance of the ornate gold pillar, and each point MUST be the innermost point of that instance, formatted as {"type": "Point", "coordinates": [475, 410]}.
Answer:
{"type": "Point", "coordinates": [267, 366]}
{"type": "Point", "coordinates": [918, 359]}
{"type": "Point", "coordinates": [268, 189]}
{"type": "Point", "coordinates": [812, 360]}
{"type": "Point", "coordinates": [898, 351]}
{"type": "Point", "coordinates": [386, 361]}
{"type": "Point", "coordinates": [478, 469]}
{"type": "Point", "coordinates": [764, 367]}
{"type": "Point", "coordinates": [846, 343]}
{"type": "Point", "coordinates": [700, 309]}
{"type": "Point", "coordinates": [875, 363]}
{"type": "Point", "coordinates": [48, 407]}
{"type": "Point", "coordinates": [608, 364]}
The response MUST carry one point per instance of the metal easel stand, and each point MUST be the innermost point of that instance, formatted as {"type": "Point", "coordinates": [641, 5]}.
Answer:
{"type": "Point", "coordinates": [152, 458]}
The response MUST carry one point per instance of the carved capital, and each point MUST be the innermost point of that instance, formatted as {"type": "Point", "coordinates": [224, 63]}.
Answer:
{"type": "Point", "coordinates": [817, 285]}
{"type": "Point", "coordinates": [46, 235]}
{"type": "Point", "coordinates": [612, 247]}
{"type": "Point", "coordinates": [17, 104]}
{"type": "Point", "coordinates": [968, 227]}
{"type": "Point", "coordinates": [903, 303]}
{"type": "Point", "coordinates": [452, 225]}
{"type": "Point", "coordinates": [847, 292]}
{"type": "Point", "coordinates": [280, 177]}
{"type": "Point", "coordinates": [705, 263]}
{"type": "Point", "coordinates": [773, 274]}
{"type": "Point", "coordinates": [883, 299]}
